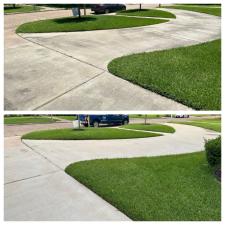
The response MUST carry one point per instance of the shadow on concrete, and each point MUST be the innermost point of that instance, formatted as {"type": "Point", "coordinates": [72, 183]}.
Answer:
{"type": "Point", "coordinates": [74, 19]}
{"type": "Point", "coordinates": [134, 10]}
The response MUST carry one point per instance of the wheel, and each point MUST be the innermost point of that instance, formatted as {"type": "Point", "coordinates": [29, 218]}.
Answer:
{"type": "Point", "coordinates": [106, 11]}
{"type": "Point", "coordinates": [96, 124]}
{"type": "Point", "coordinates": [125, 122]}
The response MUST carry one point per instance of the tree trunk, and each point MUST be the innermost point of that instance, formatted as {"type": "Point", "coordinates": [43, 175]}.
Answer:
{"type": "Point", "coordinates": [78, 117]}
{"type": "Point", "coordinates": [79, 12]}
{"type": "Point", "coordinates": [140, 7]}
{"type": "Point", "coordinates": [84, 9]}
{"type": "Point", "coordinates": [89, 121]}
{"type": "Point", "coordinates": [145, 119]}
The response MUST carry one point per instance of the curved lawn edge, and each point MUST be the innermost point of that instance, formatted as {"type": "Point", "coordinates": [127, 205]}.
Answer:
{"type": "Point", "coordinates": [148, 13]}
{"type": "Point", "coordinates": [150, 127]}
{"type": "Point", "coordinates": [204, 9]}
{"type": "Point", "coordinates": [24, 120]}
{"type": "Point", "coordinates": [143, 182]}
{"type": "Point", "coordinates": [203, 58]}
{"type": "Point", "coordinates": [87, 134]}
{"type": "Point", "coordinates": [86, 23]}
{"type": "Point", "coordinates": [21, 9]}
{"type": "Point", "coordinates": [209, 124]}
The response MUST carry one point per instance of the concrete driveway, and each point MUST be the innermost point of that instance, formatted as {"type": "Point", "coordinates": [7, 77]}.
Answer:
{"type": "Point", "coordinates": [68, 71]}
{"type": "Point", "coordinates": [37, 188]}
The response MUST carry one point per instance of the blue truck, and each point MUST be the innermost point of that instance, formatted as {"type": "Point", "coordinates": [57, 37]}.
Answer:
{"type": "Point", "coordinates": [109, 119]}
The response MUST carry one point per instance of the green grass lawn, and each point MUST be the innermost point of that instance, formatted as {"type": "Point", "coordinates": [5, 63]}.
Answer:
{"type": "Point", "coordinates": [21, 9]}
{"type": "Point", "coordinates": [201, 5]}
{"type": "Point", "coordinates": [180, 187]}
{"type": "Point", "coordinates": [86, 23]}
{"type": "Point", "coordinates": [148, 116]}
{"type": "Point", "coordinates": [66, 6]}
{"type": "Point", "coordinates": [150, 127]}
{"type": "Point", "coordinates": [202, 9]}
{"type": "Point", "coordinates": [27, 119]}
{"type": "Point", "coordinates": [147, 13]}
{"type": "Point", "coordinates": [190, 75]}
{"type": "Point", "coordinates": [86, 134]}
{"type": "Point", "coordinates": [67, 117]}
{"type": "Point", "coordinates": [211, 124]}
{"type": "Point", "coordinates": [198, 115]}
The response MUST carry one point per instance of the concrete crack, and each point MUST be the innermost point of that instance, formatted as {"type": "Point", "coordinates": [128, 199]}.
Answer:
{"type": "Point", "coordinates": [32, 149]}
{"type": "Point", "coordinates": [71, 89]}
{"type": "Point", "coordinates": [62, 53]}
{"type": "Point", "coordinates": [28, 178]}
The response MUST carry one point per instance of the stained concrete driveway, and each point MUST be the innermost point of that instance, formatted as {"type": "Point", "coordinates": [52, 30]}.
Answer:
{"type": "Point", "coordinates": [37, 188]}
{"type": "Point", "coordinates": [68, 71]}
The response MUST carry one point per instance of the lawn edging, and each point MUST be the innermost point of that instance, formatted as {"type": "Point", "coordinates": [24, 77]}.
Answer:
{"type": "Point", "coordinates": [138, 187]}
{"type": "Point", "coordinates": [87, 134]}
{"type": "Point", "coordinates": [155, 13]}
{"type": "Point", "coordinates": [180, 82]}
{"type": "Point", "coordinates": [86, 23]}
{"type": "Point", "coordinates": [150, 127]}
{"type": "Point", "coordinates": [209, 124]}
{"type": "Point", "coordinates": [205, 10]}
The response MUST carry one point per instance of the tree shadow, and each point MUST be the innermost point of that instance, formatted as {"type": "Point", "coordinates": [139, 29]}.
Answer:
{"type": "Point", "coordinates": [11, 7]}
{"type": "Point", "coordinates": [82, 128]}
{"type": "Point", "coordinates": [77, 129]}
{"type": "Point", "coordinates": [134, 10]}
{"type": "Point", "coordinates": [74, 19]}
{"type": "Point", "coordinates": [110, 125]}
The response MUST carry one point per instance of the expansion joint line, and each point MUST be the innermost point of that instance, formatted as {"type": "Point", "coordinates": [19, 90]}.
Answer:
{"type": "Point", "coordinates": [60, 95]}
{"type": "Point", "coordinates": [69, 56]}
{"type": "Point", "coordinates": [28, 178]}
{"type": "Point", "coordinates": [62, 53]}
{"type": "Point", "coordinates": [32, 149]}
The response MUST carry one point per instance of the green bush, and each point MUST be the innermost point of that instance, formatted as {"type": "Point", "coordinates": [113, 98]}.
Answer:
{"type": "Point", "coordinates": [213, 151]}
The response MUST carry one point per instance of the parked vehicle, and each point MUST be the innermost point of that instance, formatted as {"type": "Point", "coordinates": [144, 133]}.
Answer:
{"type": "Point", "coordinates": [107, 8]}
{"type": "Point", "coordinates": [110, 119]}
{"type": "Point", "coordinates": [182, 116]}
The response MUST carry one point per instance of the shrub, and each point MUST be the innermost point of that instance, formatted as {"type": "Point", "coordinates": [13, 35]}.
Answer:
{"type": "Point", "coordinates": [213, 151]}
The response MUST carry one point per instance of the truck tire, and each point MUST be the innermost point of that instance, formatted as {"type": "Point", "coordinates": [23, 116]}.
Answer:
{"type": "Point", "coordinates": [125, 122]}
{"type": "Point", "coordinates": [96, 124]}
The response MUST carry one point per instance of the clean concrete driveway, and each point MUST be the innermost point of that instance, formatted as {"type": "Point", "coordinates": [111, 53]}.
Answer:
{"type": "Point", "coordinates": [37, 188]}
{"type": "Point", "coordinates": [185, 139]}
{"type": "Point", "coordinates": [68, 71]}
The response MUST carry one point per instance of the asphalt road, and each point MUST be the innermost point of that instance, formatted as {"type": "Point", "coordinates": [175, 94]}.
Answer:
{"type": "Point", "coordinates": [68, 71]}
